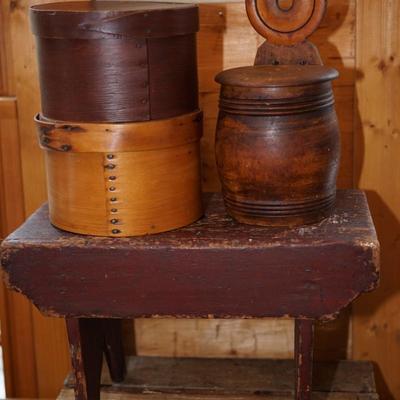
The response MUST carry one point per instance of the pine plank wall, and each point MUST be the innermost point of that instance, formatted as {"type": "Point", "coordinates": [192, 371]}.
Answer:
{"type": "Point", "coordinates": [361, 38]}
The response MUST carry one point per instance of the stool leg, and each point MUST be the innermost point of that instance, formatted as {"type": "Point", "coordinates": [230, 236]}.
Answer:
{"type": "Point", "coordinates": [304, 346]}
{"type": "Point", "coordinates": [134, 339]}
{"type": "Point", "coordinates": [113, 349]}
{"type": "Point", "coordinates": [86, 341]}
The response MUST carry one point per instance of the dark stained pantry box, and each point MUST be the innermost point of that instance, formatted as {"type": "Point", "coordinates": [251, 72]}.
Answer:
{"type": "Point", "coordinates": [116, 61]}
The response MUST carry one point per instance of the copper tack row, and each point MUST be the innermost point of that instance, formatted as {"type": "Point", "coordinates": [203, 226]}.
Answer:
{"type": "Point", "coordinates": [111, 165]}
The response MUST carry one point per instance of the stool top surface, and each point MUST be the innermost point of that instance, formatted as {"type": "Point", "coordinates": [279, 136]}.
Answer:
{"type": "Point", "coordinates": [350, 222]}
{"type": "Point", "coordinates": [212, 268]}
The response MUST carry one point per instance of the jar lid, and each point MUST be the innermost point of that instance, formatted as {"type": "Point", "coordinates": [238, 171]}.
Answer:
{"type": "Point", "coordinates": [113, 19]}
{"type": "Point", "coordinates": [263, 76]}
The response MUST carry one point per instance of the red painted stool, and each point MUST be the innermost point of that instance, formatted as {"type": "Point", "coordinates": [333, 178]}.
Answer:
{"type": "Point", "coordinates": [215, 268]}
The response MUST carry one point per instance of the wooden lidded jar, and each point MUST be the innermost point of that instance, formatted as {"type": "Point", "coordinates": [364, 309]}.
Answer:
{"type": "Point", "coordinates": [277, 143]}
{"type": "Point", "coordinates": [120, 123]}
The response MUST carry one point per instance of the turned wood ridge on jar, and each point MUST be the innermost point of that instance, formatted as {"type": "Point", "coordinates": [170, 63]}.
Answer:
{"type": "Point", "coordinates": [120, 123]}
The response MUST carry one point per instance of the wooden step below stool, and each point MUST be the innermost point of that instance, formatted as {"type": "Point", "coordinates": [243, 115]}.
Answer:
{"type": "Point", "coordinates": [155, 378]}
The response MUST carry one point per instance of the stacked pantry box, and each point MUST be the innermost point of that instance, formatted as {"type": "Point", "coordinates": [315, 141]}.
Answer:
{"type": "Point", "coordinates": [120, 123]}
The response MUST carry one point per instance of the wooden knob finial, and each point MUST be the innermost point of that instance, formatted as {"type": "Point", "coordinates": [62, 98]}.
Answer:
{"type": "Point", "coordinates": [285, 22]}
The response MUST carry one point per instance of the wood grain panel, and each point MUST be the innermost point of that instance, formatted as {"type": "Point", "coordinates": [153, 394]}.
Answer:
{"type": "Point", "coordinates": [6, 67]}
{"type": "Point", "coordinates": [27, 93]}
{"type": "Point", "coordinates": [215, 338]}
{"type": "Point", "coordinates": [15, 310]}
{"type": "Point", "coordinates": [52, 354]}
{"type": "Point", "coordinates": [51, 357]}
{"type": "Point", "coordinates": [377, 149]}
{"type": "Point", "coordinates": [12, 212]}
